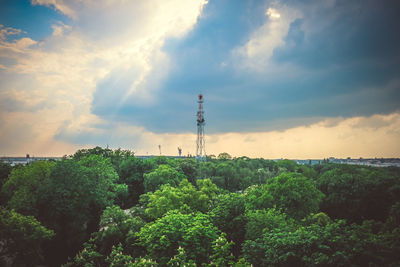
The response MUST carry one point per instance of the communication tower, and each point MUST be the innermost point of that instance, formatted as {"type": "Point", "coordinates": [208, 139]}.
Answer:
{"type": "Point", "coordinates": [200, 143]}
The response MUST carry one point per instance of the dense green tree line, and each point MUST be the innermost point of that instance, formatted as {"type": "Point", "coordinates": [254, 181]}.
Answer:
{"type": "Point", "coordinates": [103, 207]}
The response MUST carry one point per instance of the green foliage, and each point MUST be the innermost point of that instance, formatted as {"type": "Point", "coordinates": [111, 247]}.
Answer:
{"type": "Point", "coordinates": [164, 174]}
{"type": "Point", "coordinates": [131, 171]}
{"type": "Point", "coordinates": [5, 170]}
{"type": "Point", "coordinates": [295, 194]}
{"type": "Point", "coordinates": [259, 221]}
{"type": "Point", "coordinates": [320, 219]}
{"type": "Point", "coordinates": [116, 156]}
{"type": "Point", "coordinates": [393, 220]}
{"type": "Point", "coordinates": [73, 199]}
{"type": "Point", "coordinates": [195, 233]}
{"type": "Point", "coordinates": [224, 156]}
{"type": "Point", "coordinates": [222, 255]}
{"type": "Point", "coordinates": [208, 188]}
{"type": "Point", "coordinates": [21, 238]}
{"type": "Point", "coordinates": [88, 257]}
{"type": "Point", "coordinates": [227, 177]}
{"type": "Point", "coordinates": [143, 262]}
{"type": "Point", "coordinates": [332, 245]}
{"type": "Point", "coordinates": [307, 172]}
{"type": "Point", "coordinates": [117, 258]}
{"type": "Point", "coordinates": [229, 216]}
{"type": "Point", "coordinates": [256, 197]}
{"type": "Point", "coordinates": [116, 226]}
{"type": "Point", "coordinates": [287, 165]}
{"type": "Point", "coordinates": [189, 169]}
{"type": "Point", "coordinates": [181, 259]}
{"type": "Point", "coordinates": [359, 193]}
{"type": "Point", "coordinates": [118, 231]}
{"type": "Point", "coordinates": [185, 197]}
{"type": "Point", "coordinates": [247, 211]}
{"type": "Point", "coordinates": [23, 187]}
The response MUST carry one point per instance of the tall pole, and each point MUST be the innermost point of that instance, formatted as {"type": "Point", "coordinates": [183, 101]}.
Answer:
{"type": "Point", "coordinates": [200, 143]}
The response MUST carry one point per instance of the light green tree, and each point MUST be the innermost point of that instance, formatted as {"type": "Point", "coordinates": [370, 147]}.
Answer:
{"type": "Point", "coordinates": [184, 197]}
{"type": "Point", "coordinates": [193, 232]}
{"type": "Point", "coordinates": [163, 174]}
{"type": "Point", "coordinates": [295, 194]}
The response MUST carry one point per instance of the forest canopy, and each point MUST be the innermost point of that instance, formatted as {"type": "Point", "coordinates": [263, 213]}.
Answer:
{"type": "Point", "coordinates": [103, 207]}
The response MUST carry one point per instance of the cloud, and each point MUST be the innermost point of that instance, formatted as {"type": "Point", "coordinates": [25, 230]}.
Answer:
{"type": "Point", "coordinates": [60, 5]}
{"type": "Point", "coordinates": [57, 78]}
{"type": "Point", "coordinates": [256, 53]}
{"type": "Point", "coordinates": [5, 32]}
{"type": "Point", "coordinates": [374, 136]}
{"type": "Point", "coordinates": [126, 73]}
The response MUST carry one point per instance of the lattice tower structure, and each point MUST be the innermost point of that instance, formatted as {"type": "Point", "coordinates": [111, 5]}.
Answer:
{"type": "Point", "coordinates": [200, 143]}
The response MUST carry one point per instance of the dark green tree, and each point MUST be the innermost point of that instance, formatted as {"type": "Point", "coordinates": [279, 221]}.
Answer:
{"type": "Point", "coordinates": [22, 190]}
{"type": "Point", "coordinates": [131, 172]}
{"type": "Point", "coordinates": [21, 239]}
{"type": "Point", "coordinates": [72, 201]}
{"type": "Point", "coordinates": [229, 217]}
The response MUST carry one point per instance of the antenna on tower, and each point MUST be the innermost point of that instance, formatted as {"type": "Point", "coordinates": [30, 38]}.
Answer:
{"type": "Point", "coordinates": [200, 143]}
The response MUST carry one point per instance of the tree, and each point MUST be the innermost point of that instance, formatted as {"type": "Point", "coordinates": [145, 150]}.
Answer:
{"type": "Point", "coordinates": [23, 188]}
{"type": "Point", "coordinates": [131, 172]}
{"type": "Point", "coordinates": [229, 217]}
{"type": "Point", "coordinates": [259, 221]}
{"type": "Point", "coordinates": [193, 232]}
{"type": "Point", "coordinates": [224, 156]}
{"type": "Point", "coordinates": [189, 169]}
{"type": "Point", "coordinates": [21, 238]}
{"type": "Point", "coordinates": [116, 227]}
{"type": "Point", "coordinates": [228, 175]}
{"type": "Point", "coordinates": [117, 234]}
{"type": "Point", "coordinates": [181, 259]}
{"type": "Point", "coordinates": [358, 193]}
{"type": "Point", "coordinates": [222, 255]}
{"type": "Point", "coordinates": [333, 244]}
{"type": "Point", "coordinates": [117, 258]}
{"type": "Point", "coordinates": [72, 201]}
{"type": "Point", "coordinates": [256, 197]}
{"type": "Point", "coordinates": [184, 197]}
{"type": "Point", "coordinates": [295, 194]}
{"type": "Point", "coordinates": [5, 170]}
{"type": "Point", "coordinates": [164, 174]}
{"type": "Point", "coordinates": [288, 165]}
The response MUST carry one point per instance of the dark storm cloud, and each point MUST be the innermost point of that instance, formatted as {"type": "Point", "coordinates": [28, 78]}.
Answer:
{"type": "Point", "coordinates": [336, 60]}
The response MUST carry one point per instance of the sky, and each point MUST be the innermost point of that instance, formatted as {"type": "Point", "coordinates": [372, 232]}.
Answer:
{"type": "Point", "coordinates": [280, 79]}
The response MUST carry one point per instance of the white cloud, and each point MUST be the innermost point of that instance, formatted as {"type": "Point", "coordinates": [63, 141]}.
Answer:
{"type": "Point", "coordinates": [273, 13]}
{"type": "Point", "coordinates": [60, 73]}
{"type": "Point", "coordinates": [60, 5]}
{"type": "Point", "coordinates": [256, 53]}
